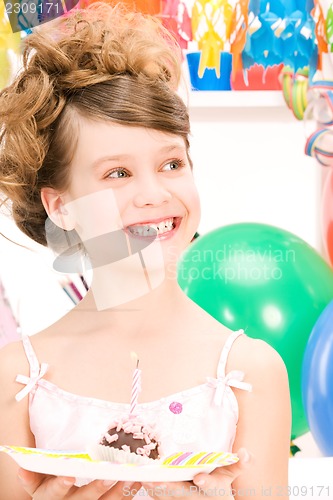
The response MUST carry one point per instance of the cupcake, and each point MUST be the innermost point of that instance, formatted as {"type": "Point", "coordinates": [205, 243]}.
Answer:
{"type": "Point", "coordinates": [128, 440]}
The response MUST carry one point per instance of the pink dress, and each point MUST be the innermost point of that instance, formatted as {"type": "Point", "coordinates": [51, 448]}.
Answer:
{"type": "Point", "coordinates": [202, 418]}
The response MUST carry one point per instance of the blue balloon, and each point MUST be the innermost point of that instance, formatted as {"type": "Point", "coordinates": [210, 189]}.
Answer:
{"type": "Point", "coordinates": [317, 381]}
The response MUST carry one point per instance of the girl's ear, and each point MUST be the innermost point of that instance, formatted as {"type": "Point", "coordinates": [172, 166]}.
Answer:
{"type": "Point", "coordinates": [56, 209]}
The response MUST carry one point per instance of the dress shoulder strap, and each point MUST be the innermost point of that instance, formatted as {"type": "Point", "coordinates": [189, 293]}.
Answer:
{"type": "Point", "coordinates": [225, 352]}
{"type": "Point", "coordinates": [37, 371]}
{"type": "Point", "coordinates": [232, 379]}
{"type": "Point", "coordinates": [31, 356]}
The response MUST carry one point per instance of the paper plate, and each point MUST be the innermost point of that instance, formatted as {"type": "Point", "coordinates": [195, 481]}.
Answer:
{"type": "Point", "coordinates": [181, 466]}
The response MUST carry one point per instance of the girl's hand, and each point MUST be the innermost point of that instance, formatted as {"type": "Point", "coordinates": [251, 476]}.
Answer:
{"type": "Point", "coordinates": [216, 484]}
{"type": "Point", "coordinates": [41, 487]}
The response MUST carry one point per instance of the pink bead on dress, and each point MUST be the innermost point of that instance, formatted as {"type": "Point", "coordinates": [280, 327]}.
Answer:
{"type": "Point", "coordinates": [176, 407]}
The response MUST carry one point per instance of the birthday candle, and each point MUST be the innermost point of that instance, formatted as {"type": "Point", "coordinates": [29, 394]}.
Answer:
{"type": "Point", "coordinates": [136, 384]}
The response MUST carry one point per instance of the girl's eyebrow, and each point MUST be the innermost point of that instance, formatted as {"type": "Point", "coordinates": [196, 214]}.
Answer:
{"type": "Point", "coordinates": [121, 157]}
{"type": "Point", "coordinates": [117, 158]}
{"type": "Point", "coordinates": [173, 147]}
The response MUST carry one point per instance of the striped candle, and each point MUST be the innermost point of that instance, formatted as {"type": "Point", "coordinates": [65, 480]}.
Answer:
{"type": "Point", "coordinates": [136, 384]}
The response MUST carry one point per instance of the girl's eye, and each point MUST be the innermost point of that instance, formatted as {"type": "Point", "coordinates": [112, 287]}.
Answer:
{"type": "Point", "coordinates": [174, 165]}
{"type": "Point", "coordinates": [118, 173]}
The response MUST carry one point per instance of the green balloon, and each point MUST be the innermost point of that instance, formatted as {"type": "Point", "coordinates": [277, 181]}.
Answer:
{"type": "Point", "coordinates": [268, 282]}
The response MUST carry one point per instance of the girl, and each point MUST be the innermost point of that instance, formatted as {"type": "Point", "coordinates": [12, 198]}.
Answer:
{"type": "Point", "coordinates": [95, 160]}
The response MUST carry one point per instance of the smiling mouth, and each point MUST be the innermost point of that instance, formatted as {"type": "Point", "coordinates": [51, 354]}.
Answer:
{"type": "Point", "coordinates": [154, 230]}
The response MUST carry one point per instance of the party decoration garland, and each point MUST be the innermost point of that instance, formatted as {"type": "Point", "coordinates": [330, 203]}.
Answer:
{"type": "Point", "coordinates": [329, 29]}
{"type": "Point", "coordinates": [209, 28]}
{"type": "Point", "coordinates": [239, 26]}
{"type": "Point", "coordinates": [279, 32]}
{"type": "Point", "coordinates": [219, 26]}
{"type": "Point", "coordinates": [320, 31]}
{"type": "Point", "coordinates": [176, 18]}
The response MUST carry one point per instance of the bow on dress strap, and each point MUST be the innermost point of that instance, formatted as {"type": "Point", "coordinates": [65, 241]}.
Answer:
{"type": "Point", "coordinates": [30, 382]}
{"type": "Point", "coordinates": [232, 379]}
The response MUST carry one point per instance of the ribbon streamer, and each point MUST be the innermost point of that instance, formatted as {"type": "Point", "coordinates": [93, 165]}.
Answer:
{"type": "Point", "coordinates": [320, 109]}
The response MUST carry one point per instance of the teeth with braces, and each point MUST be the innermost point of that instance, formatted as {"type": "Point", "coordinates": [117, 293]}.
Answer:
{"type": "Point", "coordinates": [146, 229]}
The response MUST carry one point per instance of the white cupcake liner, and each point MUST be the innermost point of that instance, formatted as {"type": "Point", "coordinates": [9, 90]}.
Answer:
{"type": "Point", "coordinates": [115, 455]}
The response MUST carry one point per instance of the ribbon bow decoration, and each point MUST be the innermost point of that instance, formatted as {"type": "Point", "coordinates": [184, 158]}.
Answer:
{"type": "Point", "coordinates": [30, 381]}
{"type": "Point", "coordinates": [232, 379]}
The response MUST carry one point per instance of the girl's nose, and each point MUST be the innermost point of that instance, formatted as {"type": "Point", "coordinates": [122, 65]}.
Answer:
{"type": "Point", "coordinates": [151, 192]}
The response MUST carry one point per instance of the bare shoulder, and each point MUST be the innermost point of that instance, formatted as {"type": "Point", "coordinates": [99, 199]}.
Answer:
{"type": "Point", "coordinates": [14, 415]}
{"type": "Point", "coordinates": [256, 358]}
{"type": "Point", "coordinates": [12, 362]}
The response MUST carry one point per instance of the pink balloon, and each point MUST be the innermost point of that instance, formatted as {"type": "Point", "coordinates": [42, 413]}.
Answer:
{"type": "Point", "coordinates": [327, 216]}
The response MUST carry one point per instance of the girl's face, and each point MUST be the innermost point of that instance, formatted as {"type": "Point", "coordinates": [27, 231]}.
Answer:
{"type": "Point", "coordinates": [131, 178]}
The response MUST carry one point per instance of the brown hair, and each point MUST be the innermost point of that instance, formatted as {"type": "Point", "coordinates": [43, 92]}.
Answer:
{"type": "Point", "coordinates": [102, 62]}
